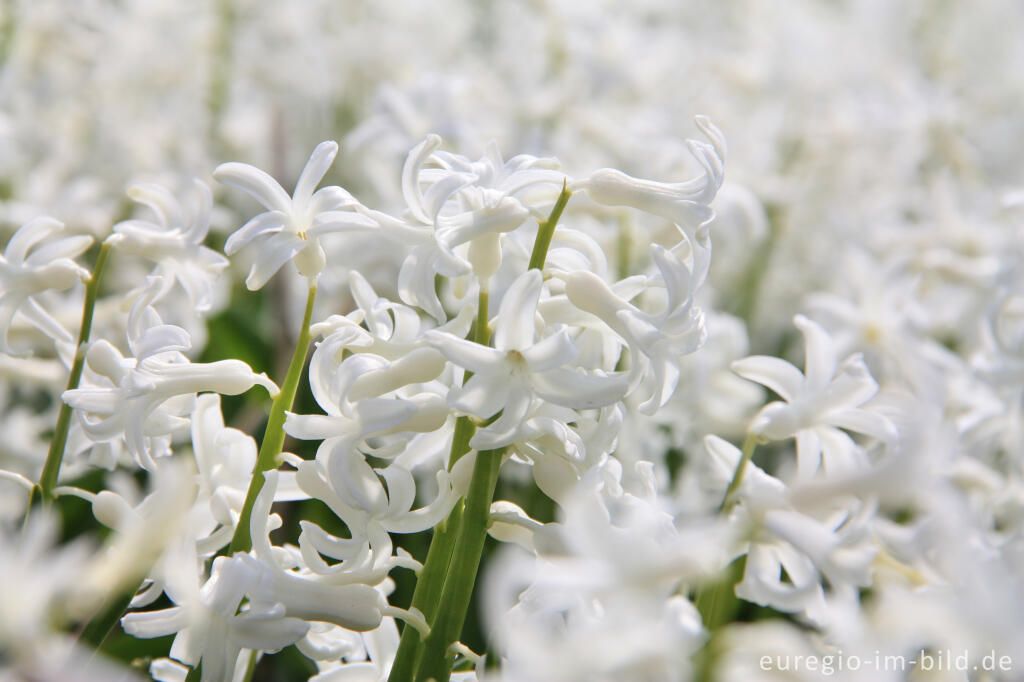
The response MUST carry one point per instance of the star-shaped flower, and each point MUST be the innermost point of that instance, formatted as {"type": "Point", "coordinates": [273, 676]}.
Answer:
{"type": "Point", "coordinates": [818, 402]}
{"type": "Point", "coordinates": [520, 369]}
{"type": "Point", "coordinates": [292, 225]}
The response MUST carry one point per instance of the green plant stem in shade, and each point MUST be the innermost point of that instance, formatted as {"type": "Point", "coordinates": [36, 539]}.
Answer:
{"type": "Point", "coordinates": [547, 230]}
{"type": "Point", "coordinates": [220, 68]}
{"type": "Point", "coordinates": [437, 660]}
{"type": "Point", "coordinates": [55, 456]}
{"type": "Point", "coordinates": [749, 445]}
{"type": "Point", "coordinates": [428, 593]}
{"type": "Point", "coordinates": [273, 437]}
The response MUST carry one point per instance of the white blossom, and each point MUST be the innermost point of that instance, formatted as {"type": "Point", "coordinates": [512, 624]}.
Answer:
{"type": "Point", "coordinates": [291, 227]}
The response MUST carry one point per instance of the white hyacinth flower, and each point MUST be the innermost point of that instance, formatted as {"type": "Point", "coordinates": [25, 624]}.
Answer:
{"type": "Point", "coordinates": [655, 341]}
{"type": "Point", "coordinates": [209, 626]}
{"type": "Point", "coordinates": [29, 267]}
{"type": "Point", "coordinates": [520, 368]}
{"type": "Point", "coordinates": [291, 227]}
{"type": "Point", "coordinates": [818, 402]}
{"type": "Point", "coordinates": [151, 395]}
{"type": "Point", "coordinates": [174, 243]}
{"type": "Point", "coordinates": [687, 204]}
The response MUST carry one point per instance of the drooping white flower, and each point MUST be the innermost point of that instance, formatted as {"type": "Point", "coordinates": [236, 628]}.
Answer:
{"type": "Point", "coordinates": [820, 401]}
{"type": "Point", "coordinates": [520, 369]}
{"type": "Point", "coordinates": [173, 242]}
{"type": "Point", "coordinates": [291, 227]}
{"type": "Point", "coordinates": [208, 626]}
{"type": "Point", "coordinates": [151, 395]}
{"type": "Point", "coordinates": [687, 204]}
{"type": "Point", "coordinates": [655, 341]}
{"type": "Point", "coordinates": [29, 266]}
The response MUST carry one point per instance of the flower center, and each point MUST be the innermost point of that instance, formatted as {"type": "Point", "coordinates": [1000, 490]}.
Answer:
{"type": "Point", "coordinates": [516, 363]}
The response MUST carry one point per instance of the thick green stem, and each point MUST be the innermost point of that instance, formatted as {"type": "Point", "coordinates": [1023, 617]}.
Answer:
{"type": "Point", "coordinates": [273, 437]}
{"type": "Point", "coordinates": [55, 456]}
{"type": "Point", "coordinates": [547, 230]}
{"type": "Point", "coordinates": [438, 658]}
{"type": "Point", "coordinates": [428, 593]}
{"type": "Point", "coordinates": [749, 445]}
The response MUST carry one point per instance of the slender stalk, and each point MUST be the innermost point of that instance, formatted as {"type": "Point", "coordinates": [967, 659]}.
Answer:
{"type": "Point", "coordinates": [273, 437]}
{"type": "Point", "coordinates": [428, 592]}
{"type": "Point", "coordinates": [547, 230]}
{"type": "Point", "coordinates": [438, 658]}
{"type": "Point", "coordinates": [749, 445]}
{"type": "Point", "coordinates": [55, 455]}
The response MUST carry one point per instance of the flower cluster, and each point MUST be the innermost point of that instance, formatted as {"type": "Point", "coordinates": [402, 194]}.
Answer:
{"type": "Point", "coordinates": [412, 408]}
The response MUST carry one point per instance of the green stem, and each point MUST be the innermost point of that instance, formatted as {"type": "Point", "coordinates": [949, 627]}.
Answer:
{"type": "Point", "coordinates": [437, 660]}
{"type": "Point", "coordinates": [749, 445]}
{"type": "Point", "coordinates": [547, 230]}
{"type": "Point", "coordinates": [51, 470]}
{"type": "Point", "coordinates": [273, 437]}
{"type": "Point", "coordinates": [428, 593]}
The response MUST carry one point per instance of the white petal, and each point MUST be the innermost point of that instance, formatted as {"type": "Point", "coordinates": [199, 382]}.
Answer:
{"type": "Point", "coordinates": [339, 221]}
{"type": "Point", "coordinates": [550, 352]}
{"type": "Point", "coordinates": [256, 184]}
{"type": "Point", "coordinates": [267, 222]}
{"type": "Point", "coordinates": [508, 426]}
{"type": "Point", "coordinates": [868, 423]}
{"type": "Point", "coordinates": [578, 390]}
{"type": "Point", "coordinates": [149, 624]}
{"type": "Point", "coordinates": [274, 253]}
{"type": "Point", "coordinates": [315, 426]}
{"type": "Point", "coordinates": [776, 374]}
{"type": "Point", "coordinates": [410, 177]}
{"type": "Point", "coordinates": [820, 353]}
{"type": "Point", "coordinates": [356, 483]}
{"type": "Point", "coordinates": [313, 172]}
{"type": "Point", "coordinates": [514, 328]}
{"type": "Point", "coordinates": [852, 387]}
{"type": "Point", "coordinates": [473, 356]}
{"type": "Point", "coordinates": [481, 396]}
{"type": "Point", "coordinates": [267, 631]}
{"type": "Point", "coordinates": [28, 235]}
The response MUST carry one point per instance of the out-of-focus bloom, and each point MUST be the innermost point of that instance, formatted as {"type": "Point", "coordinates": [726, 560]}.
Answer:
{"type": "Point", "coordinates": [818, 403]}
{"type": "Point", "coordinates": [174, 243]}
{"type": "Point", "coordinates": [29, 267]}
{"type": "Point", "coordinates": [291, 227]}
